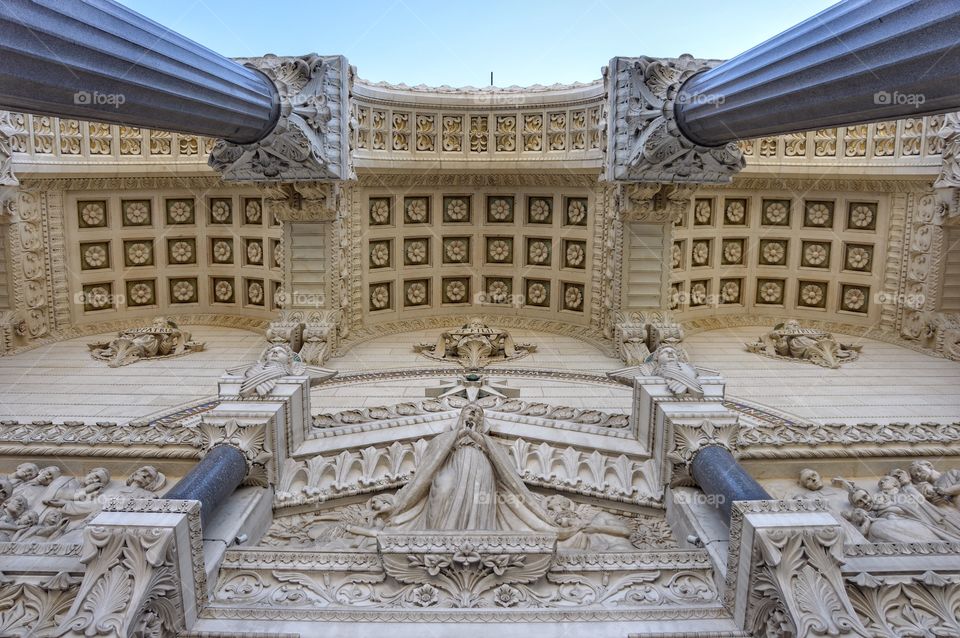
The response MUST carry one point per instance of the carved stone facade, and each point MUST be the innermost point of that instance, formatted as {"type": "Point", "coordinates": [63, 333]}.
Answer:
{"type": "Point", "coordinates": [506, 469]}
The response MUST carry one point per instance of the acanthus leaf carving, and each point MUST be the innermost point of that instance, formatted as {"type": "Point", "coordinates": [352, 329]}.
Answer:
{"type": "Point", "coordinates": [311, 138]}
{"type": "Point", "coordinates": [644, 141]}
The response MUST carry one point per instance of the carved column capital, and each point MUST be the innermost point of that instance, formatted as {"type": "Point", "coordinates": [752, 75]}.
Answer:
{"type": "Point", "coordinates": [689, 440]}
{"type": "Point", "coordinates": [784, 571]}
{"type": "Point", "coordinates": [251, 439]}
{"type": "Point", "coordinates": [311, 139]}
{"type": "Point", "coordinates": [142, 575]}
{"type": "Point", "coordinates": [644, 143]}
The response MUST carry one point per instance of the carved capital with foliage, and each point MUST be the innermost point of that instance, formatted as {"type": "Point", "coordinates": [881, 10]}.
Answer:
{"type": "Point", "coordinates": [311, 138]}
{"type": "Point", "coordinates": [688, 440]}
{"type": "Point", "coordinates": [644, 142]}
{"type": "Point", "coordinates": [784, 571]}
{"type": "Point", "coordinates": [251, 439]}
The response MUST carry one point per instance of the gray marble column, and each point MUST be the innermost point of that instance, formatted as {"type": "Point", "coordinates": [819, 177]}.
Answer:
{"type": "Point", "coordinates": [97, 60]}
{"type": "Point", "coordinates": [720, 476]}
{"type": "Point", "coordinates": [212, 480]}
{"type": "Point", "coordinates": [858, 61]}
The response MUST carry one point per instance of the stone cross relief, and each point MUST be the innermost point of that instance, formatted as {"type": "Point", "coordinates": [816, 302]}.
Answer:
{"type": "Point", "coordinates": [42, 504]}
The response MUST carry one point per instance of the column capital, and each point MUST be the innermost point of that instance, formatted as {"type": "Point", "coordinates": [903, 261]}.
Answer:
{"type": "Point", "coordinates": [250, 439]}
{"type": "Point", "coordinates": [311, 140]}
{"type": "Point", "coordinates": [783, 571]}
{"type": "Point", "coordinates": [145, 570]}
{"type": "Point", "coordinates": [644, 142]}
{"type": "Point", "coordinates": [690, 439]}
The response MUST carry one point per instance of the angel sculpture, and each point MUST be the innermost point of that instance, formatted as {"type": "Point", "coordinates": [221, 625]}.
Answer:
{"type": "Point", "coordinates": [163, 338]}
{"type": "Point", "coordinates": [277, 360]}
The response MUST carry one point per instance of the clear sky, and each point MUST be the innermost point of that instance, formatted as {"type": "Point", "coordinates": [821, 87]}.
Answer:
{"type": "Point", "coordinates": [459, 43]}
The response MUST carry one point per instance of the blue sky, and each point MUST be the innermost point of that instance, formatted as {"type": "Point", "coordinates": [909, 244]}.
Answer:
{"type": "Point", "coordinates": [459, 43]}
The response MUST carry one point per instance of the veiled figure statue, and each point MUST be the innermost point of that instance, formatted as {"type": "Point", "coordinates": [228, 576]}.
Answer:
{"type": "Point", "coordinates": [466, 482]}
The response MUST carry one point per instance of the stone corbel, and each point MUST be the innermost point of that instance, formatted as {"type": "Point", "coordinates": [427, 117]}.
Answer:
{"type": "Point", "coordinates": [311, 139]}
{"type": "Point", "coordinates": [315, 336]}
{"type": "Point", "coordinates": [302, 201]}
{"type": "Point", "coordinates": [784, 571]}
{"type": "Point", "coordinates": [653, 203]}
{"type": "Point", "coordinates": [251, 439]}
{"type": "Point", "coordinates": [141, 576]}
{"type": "Point", "coordinates": [644, 143]}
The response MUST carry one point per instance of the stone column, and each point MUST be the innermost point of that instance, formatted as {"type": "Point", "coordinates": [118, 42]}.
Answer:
{"type": "Point", "coordinates": [720, 476]}
{"type": "Point", "coordinates": [858, 61]}
{"type": "Point", "coordinates": [97, 60]}
{"type": "Point", "coordinates": [213, 479]}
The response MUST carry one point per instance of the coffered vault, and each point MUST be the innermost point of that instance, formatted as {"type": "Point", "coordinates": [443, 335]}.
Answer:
{"type": "Point", "coordinates": [289, 352]}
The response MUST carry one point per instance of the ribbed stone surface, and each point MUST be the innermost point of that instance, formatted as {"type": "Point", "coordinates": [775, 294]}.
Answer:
{"type": "Point", "coordinates": [719, 475]}
{"type": "Point", "coordinates": [96, 60]}
{"type": "Point", "coordinates": [212, 480]}
{"type": "Point", "coordinates": [859, 61]}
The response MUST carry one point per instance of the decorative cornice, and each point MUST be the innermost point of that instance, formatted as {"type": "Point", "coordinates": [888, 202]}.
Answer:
{"type": "Point", "coordinates": [133, 183]}
{"type": "Point", "coordinates": [806, 185]}
{"type": "Point", "coordinates": [586, 179]}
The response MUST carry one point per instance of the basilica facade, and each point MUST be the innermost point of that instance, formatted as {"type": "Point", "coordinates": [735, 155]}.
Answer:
{"type": "Point", "coordinates": [430, 360]}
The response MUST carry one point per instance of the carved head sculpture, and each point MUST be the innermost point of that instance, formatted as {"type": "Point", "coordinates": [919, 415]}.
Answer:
{"type": "Point", "coordinates": [922, 472]}
{"type": "Point", "coordinates": [147, 477]}
{"type": "Point", "coordinates": [810, 479]}
{"type": "Point", "coordinates": [15, 506]}
{"type": "Point", "coordinates": [99, 476]}
{"type": "Point", "coordinates": [902, 476]}
{"type": "Point", "coordinates": [6, 489]}
{"type": "Point", "coordinates": [471, 417]}
{"type": "Point", "coordinates": [28, 519]}
{"type": "Point", "coordinates": [26, 472]}
{"type": "Point", "coordinates": [381, 503]}
{"type": "Point", "coordinates": [860, 498]}
{"type": "Point", "coordinates": [888, 483]}
{"type": "Point", "coordinates": [561, 509]}
{"type": "Point", "coordinates": [47, 475]}
{"type": "Point", "coordinates": [277, 353]}
{"type": "Point", "coordinates": [667, 355]}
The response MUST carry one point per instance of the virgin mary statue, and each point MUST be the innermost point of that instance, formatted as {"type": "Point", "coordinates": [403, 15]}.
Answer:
{"type": "Point", "coordinates": [466, 482]}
